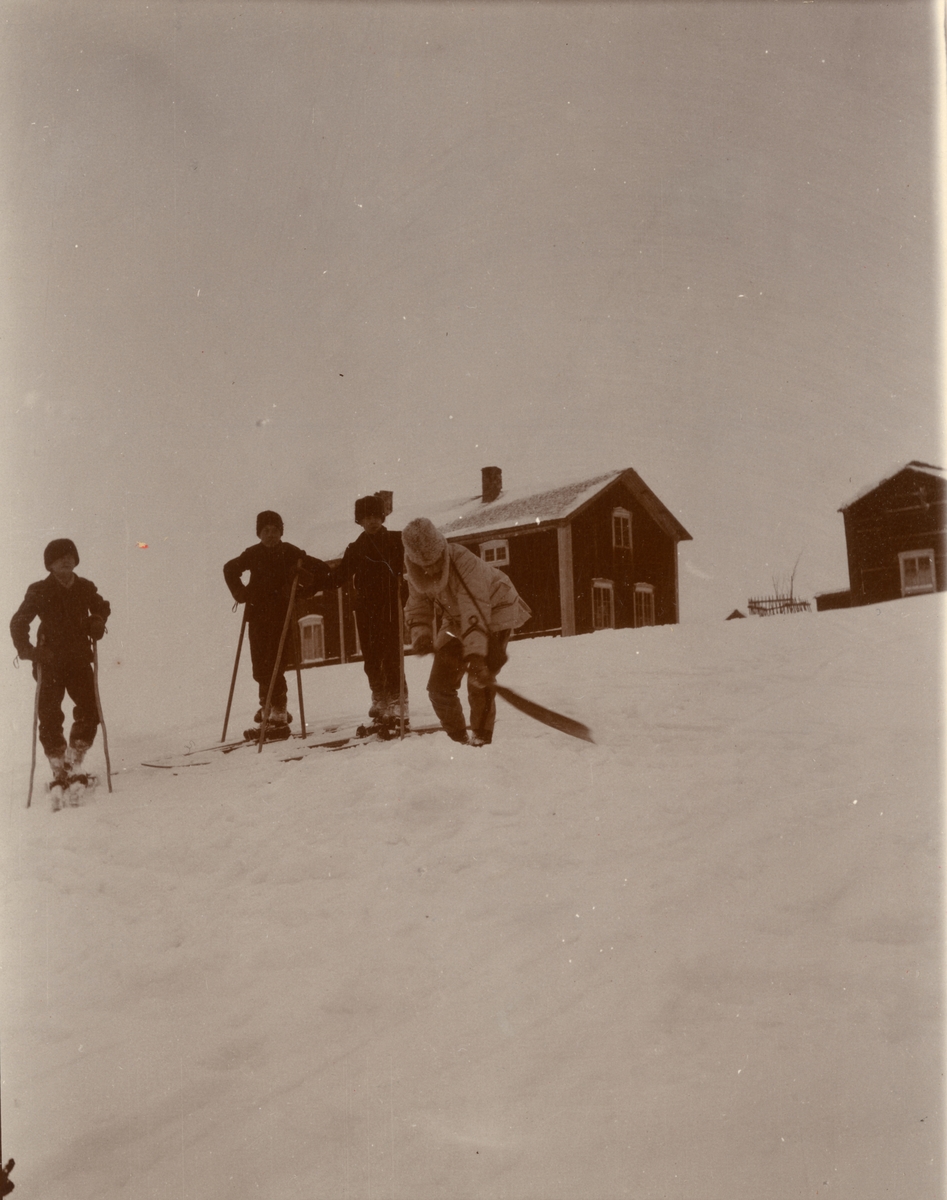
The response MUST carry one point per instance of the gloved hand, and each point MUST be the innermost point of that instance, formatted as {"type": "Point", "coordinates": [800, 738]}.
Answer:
{"type": "Point", "coordinates": [423, 644]}
{"type": "Point", "coordinates": [478, 673]}
{"type": "Point", "coordinates": [96, 628]}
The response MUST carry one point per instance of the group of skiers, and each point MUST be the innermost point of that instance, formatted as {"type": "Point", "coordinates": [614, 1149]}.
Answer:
{"type": "Point", "coordinates": [450, 602]}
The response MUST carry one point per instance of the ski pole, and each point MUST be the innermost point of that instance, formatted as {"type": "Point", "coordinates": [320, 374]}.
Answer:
{"type": "Point", "coordinates": [233, 680]}
{"type": "Point", "coordinates": [98, 705]}
{"type": "Point", "coordinates": [39, 683]}
{"type": "Point", "coordinates": [297, 645]}
{"type": "Point", "coordinates": [401, 659]}
{"type": "Point", "coordinates": [279, 658]}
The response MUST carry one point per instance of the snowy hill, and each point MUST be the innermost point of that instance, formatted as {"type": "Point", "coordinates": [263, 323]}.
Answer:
{"type": "Point", "coordinates": [699, 959]}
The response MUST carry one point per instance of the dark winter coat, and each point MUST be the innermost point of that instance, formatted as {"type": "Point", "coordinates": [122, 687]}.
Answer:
{"type": "Point", "coordinates": [272, 568]}
{"type": "Point", "coordinates": [63, 613]}
{"type": "Point", "coordinates": [375, 564]}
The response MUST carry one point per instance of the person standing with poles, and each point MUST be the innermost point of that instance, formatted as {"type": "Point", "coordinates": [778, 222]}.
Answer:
{"type": "Point", "coordinates": [374, 563]}
{"type": "Point", "coordinates": [72, 618]}
{"type": "Point", "coordinates": [273, 567]}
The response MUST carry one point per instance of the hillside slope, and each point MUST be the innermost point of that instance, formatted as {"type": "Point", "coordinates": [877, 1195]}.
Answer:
{"type": "Point", "coordinates": [699, 959]}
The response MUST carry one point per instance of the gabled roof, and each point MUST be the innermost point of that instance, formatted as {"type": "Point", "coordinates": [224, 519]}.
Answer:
{"type": "Point", "coordinates": [551, 506]}
{"type": "Point", "coordinates": [514, 509]}
{"type": "Point", "coordinates": [920, 468]}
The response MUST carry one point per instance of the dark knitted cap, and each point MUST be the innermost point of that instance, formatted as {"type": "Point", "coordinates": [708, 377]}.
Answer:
{"type": "Point", "coordinates": [268, 517]}
{"type": "Point", "coordinates": [369, 506]}
{"type": "Point", "coordinates": [59, 549]}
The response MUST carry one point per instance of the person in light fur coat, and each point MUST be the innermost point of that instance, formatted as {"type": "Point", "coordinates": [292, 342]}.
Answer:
{"type": "Point", "coordinates": [477, 608]}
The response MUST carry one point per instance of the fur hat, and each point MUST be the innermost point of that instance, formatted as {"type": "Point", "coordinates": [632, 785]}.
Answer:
{"type": "Point", "coordinates": [422, 543]}
{"type": "Point", "coordinates": [268, 517]}
{"type": "Point", "coordinates": [59, 549]}
{"type": "Point", "coordinates": [369, 506]}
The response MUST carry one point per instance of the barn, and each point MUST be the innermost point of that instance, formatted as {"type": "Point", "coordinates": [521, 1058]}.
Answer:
{"type": "Point", "coordinates": [587, 554]}
{"type": "Point", "coordinates": [895, 536]}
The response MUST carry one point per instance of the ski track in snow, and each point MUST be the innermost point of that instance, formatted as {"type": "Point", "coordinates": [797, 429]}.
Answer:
{"type": "Point", "coordinates": [700, 958]}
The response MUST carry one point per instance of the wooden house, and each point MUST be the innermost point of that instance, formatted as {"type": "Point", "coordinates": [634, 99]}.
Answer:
{"type": "Point", "coordinates": [895, 536]}
{"type": "Point", "coordinates": [595, 553]}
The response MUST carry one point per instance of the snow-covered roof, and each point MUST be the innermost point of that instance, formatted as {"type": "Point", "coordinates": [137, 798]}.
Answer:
{"type": "Point", "coordinates": [511, 510]}
{"type": "Point", "coordinates": [514, 508]}
{"type": "Point", "coordinates": [920, 467]}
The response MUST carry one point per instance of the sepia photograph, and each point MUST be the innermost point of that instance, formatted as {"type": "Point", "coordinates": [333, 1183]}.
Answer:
{"type": "Point", "coordinates": [475, 555]}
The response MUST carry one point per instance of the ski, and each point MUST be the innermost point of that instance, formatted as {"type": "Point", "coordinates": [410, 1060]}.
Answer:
{"type": "Point", "coordinates": [365, 734]}
{"type": "Point", "coordinates": [546, 715]}
{"type": "Point", "coordinates": [251, 737]}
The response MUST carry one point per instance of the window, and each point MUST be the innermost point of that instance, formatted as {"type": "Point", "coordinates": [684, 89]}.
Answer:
{"type": "Point", "coordinates": [917, 572]}
{"type": "Point", "coordinates": [312, 640]}
{"type": "Point", "coordinates": [497, 552]}
{"type": "Point", "coordinates": [603, 604]}
{"type": "Point", "coordinates": [644, 605]}
{"type": "Point", "coordinates": [621, 528]}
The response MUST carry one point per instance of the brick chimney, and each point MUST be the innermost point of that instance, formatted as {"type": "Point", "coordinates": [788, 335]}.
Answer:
{"type": "Point", "coordinates": [388, 500]}
{"type": "Point", "coordinates": [491, 483]}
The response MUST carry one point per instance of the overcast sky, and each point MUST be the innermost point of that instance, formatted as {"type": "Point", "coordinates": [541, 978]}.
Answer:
{"type": "Point", "coordinates": [279, 255]}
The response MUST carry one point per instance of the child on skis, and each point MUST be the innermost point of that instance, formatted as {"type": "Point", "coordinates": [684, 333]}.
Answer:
{"type": "Point", "coordinates": [375, 561]}
{"type": "Point", "coordinates": [272, 565]}
{"type": "Point", "coordinates": [72, 616]}
{"type": "Point", "coordinates": [477, 608]}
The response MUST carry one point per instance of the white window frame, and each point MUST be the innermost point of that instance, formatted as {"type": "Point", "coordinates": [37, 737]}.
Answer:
{"type": "Point", "coordinates": [496, 552]}
{"type": "Point", "coordinates": [318, 638]}
{"type": "Point", "coordinates": [621, 528]}
{"type": "Point", "coordinates": [603, 589]}
{"type": "Point", "coordinates": [917, 589]}
{"type": "Point", "coordinates": [644, 605]}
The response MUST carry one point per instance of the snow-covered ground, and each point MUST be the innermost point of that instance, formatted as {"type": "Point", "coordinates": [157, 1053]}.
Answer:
{"type": "Point", "coordinates": [700, 959]}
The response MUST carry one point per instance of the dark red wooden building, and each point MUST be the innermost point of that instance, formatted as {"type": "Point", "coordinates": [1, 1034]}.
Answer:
{"type": "Point", "coordinates": [595, 553]}
{"type": "Point", "coordinates": [895, 536]}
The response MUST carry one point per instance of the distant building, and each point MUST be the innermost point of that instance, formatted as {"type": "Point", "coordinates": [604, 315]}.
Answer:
{"type": "Point", "coordinates": [829, 600]}
{"type": "Point", "coordinates": [896, 537]}
{"type": "Point", "coordinates": [598, 553]}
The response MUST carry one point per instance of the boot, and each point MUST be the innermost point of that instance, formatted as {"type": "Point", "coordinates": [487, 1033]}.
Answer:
{"type": "Point", "coordinates": [275, 718]}
{"type": "Point", "coordinates": [74, 756]}
{"type": "Point", "coordinates": [57, 763]}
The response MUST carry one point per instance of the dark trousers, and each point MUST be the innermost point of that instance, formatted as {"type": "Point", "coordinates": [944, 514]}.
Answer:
{"type": "Point", "coordinates": [264, 644]}
{"type": "Point", "coordinates": [382, 654]}
{"type": "Point", "coordinates": [77, 679]}
{"type": "Point", "coordinates": [446, 674]}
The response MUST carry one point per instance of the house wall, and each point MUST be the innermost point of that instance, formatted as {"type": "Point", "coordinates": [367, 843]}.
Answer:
{"type": "Point", "coordinates": [533, 570]}
{"type": "Point", "coordinates": [902, 514]}
{"type": "Point", "coordinates": [326, 604]}
{"type": "Point", "coordinates": [652, 559]}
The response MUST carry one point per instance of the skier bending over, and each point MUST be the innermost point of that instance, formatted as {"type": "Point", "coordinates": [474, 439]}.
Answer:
{"type": "Point", "coordinates": [272, 564]}
{"type": "Point", "coordinates": [72, 615]}
{"type": "Point", "coordinates": [376, 562]}
{"type": "Point", "coordinates": [477, 608]}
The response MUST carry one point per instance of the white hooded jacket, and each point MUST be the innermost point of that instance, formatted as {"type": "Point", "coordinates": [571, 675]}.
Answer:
{"type": "Point", "coordinates": [467, 593]}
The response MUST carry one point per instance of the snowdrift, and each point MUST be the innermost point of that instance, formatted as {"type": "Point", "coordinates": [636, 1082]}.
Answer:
{"type": "Point", "coordinates": [699, 959]}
